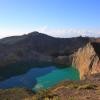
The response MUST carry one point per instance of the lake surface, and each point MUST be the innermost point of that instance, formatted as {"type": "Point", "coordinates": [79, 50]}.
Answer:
{"type": "Point", "coordinates": [44, 77]}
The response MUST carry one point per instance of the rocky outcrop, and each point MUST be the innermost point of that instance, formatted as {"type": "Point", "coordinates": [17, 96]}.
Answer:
{"type": "Point", "coordinates": [87, 59]}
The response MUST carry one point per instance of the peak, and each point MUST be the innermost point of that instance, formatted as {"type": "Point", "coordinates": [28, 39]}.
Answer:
{"type": "Point", "coordinates": [38, 34]}
{"type": "Point", "coordinates": [34, 33]}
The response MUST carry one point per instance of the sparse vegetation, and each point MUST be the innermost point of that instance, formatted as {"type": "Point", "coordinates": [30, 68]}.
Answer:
{"type": "Point", "coordinates": [45, 94]}
{"type": "Point", "coordinates": [72, 85]}
{"type": "Point", "coordinates": [72, 98]}
{"type": "Point", "coordinates": [15, 94]}
{"type": "Point", "coordinates": [81, 86]}
{"type": "Point", "coordinates": [68, 90]}
{"type": "Point", "coordinates": [87, 86]}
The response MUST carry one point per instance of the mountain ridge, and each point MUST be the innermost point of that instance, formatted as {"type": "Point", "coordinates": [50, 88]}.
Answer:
{"type": "Point", "coordinates": [16, 49]}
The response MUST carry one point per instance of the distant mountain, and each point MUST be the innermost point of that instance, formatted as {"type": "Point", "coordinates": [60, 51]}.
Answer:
{"type": "Point", "coordinates": [38, 47]}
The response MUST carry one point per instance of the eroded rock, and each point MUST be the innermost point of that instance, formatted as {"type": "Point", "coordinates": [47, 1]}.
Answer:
{"type": "Point", "coordinates": [87, 60]}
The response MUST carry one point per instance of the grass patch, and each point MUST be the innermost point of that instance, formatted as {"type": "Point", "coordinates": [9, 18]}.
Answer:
{"type": "Point", "coordinates": [87, 86]}
{"type": "Point", "coordinates": [45, 94]}
{"type": "Point", "coordinates": [72, 98]}
{"type": "Point", "coordinates": [72, 86]}
{"type": "Point", "coordinates": [75, 85]}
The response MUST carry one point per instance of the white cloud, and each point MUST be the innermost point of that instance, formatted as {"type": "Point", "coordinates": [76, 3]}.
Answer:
{"type": "Point", "coordinates": [6, 32]}
{"type": "Point", "coordinates": [64, 32]}
{"type": "Point", "coordinates": [68, 32]}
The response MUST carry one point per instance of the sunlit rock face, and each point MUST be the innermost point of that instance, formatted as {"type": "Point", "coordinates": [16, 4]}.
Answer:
{"type": "Point", "coordinates": [87, 59]}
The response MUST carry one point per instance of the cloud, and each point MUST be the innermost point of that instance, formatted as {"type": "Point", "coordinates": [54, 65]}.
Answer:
{"type": "Point", "coordinates": [9, 31]}
{"type": "Point", "coordinates": [56, 32]}
{"type": "Point", "coordinates": [68, 32]}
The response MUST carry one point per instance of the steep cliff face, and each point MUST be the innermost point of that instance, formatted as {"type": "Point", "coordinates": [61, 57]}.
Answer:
{"type": "Point", "coordinates": [87, 60]}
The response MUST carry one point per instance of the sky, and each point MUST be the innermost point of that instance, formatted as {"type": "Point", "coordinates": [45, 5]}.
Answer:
{"type": "Point", "coordinates": [59, 18]}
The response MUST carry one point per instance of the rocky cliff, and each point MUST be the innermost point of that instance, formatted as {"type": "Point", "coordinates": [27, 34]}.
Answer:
{"type": "Point", "coordinates": [87, 59]}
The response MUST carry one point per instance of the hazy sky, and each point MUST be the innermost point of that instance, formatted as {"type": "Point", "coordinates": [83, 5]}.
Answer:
{"type": "Point", "coordinates": [64, 18]}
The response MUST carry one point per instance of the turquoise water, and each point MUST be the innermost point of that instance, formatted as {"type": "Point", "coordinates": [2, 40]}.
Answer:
{"type": "Point", "coordinates": [56, 76]}
{"type": "Point", "coordinates": [36, 78]}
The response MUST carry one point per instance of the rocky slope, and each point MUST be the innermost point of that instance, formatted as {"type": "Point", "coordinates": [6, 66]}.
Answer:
{"type": "Point", "coordinates": [87, 59]}
{"type": "Point", "coordinates": [79, 90]}
{"type": "Point", "coordinates": [16, 94]}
